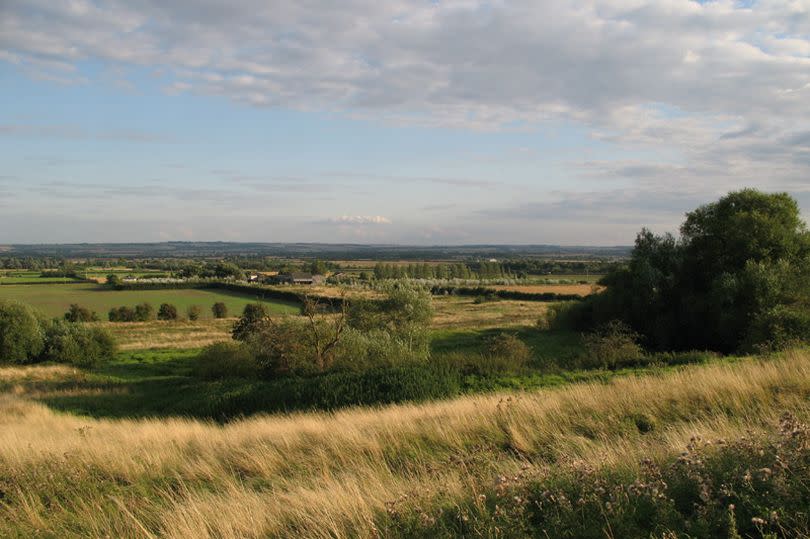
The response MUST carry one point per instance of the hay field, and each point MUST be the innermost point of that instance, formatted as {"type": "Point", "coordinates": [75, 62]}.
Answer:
{"type": "Point", "coordinates": [461, 312]}
{"type": "Point", "coordinates": [320, 475]}
{"type": "Point", "coordinates": [169, 335]}
{"type": "Point", "coordinates": [578, 289]}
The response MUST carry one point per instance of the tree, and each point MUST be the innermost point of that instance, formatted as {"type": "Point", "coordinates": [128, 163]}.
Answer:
{"type": "Point", "coordinates": [405, 312]}
{"type": "Point", "coordinates": [193, 312]}
{"type": "Point", "coordinates": [254, 318]}
{"type": "Point", "coordinates": [21, 336]}
{"type": "Point", "coordinates": [113, 280]}
{"type": "Point", "coordinates": [144, 312]}
{"type": "Point", "coordinates": [219, 310]}
{"type": "Point", "coordinates": [324, 335]}
{"type": "Point", "coordinates": [167, 311]}
{"type": "Point", "coordinates": [318, 267]}
{"type": "Point", "coordinates": [77, 313]}
{"type": "Point", "coordinates": [122, 314]}
{"type": "Point", "coordinates": [735, 280]}
{"type": "Point", "coordinates": [83, 346]}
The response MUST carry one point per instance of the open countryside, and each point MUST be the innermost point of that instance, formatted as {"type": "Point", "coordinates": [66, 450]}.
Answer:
{"type": "Point", "coordinates": [405, 270]}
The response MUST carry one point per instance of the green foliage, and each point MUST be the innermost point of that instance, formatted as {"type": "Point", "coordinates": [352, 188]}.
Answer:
{"type": "Point", "coordinates": [144, 312]}
{"type": "Point", "coordinates": [362, 350]}
{"type": "Point", "coordinates": [226, 360]}
{"type": "Point", "coordinates": [610, 346]}
{"type": "Point", "coordinates": [121, 314]}
{"type": "Point", "coordinates": [21, 335]}
{"type": "Point", "coordinates": [77, 313]}
{"type": "Point", "coordinates": [194, 312]}
{"type": "Point", "coordinates": [252, 321]}
{"type": "Point", "coordinates": [77, 344]}
{"type": "Point", "coordinates": [405, 312]}
{"type": "Point", "coordinates": [167, 311]}
{"type": "Point", "coordinates": [736, 280]}
{"type": "Point", "coordinates": [381, 385]}
{"type": "Point", "coordinates": [219, 310]}
{"type": "Point", "coordinates": [113, 280]}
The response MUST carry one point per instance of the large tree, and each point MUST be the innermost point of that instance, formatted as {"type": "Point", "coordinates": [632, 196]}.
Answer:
{"type": "Point", "coordinates": [736, 279]}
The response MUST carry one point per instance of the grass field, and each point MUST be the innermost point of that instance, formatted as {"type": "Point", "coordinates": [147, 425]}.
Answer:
{"type": "Point", "coordinates": [444, 469]}
{"type": "Point", "coordinates": [159, 334]}
{"type": "Point", "coordinates": [54, 300]}
{"type": "Point", "coordinates": [464, 312]}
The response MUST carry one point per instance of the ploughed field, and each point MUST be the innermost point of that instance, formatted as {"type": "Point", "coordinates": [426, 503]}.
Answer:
{"type": "Point", "coordinates": [54, 299]}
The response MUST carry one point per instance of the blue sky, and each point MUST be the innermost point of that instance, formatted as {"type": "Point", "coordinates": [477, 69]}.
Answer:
{"type": "Point", "coordinates": [404, 122]}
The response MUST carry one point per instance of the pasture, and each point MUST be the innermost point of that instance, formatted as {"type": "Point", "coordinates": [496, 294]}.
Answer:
{"type": "Point", "coordinates": [54, 299]}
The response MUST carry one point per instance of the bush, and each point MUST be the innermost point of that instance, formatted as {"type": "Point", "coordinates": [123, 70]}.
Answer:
{"type": "Point", "coordinates": [21, 335]}
{"type": "Point", "coordinates": [77, 344]}
{"type": "Point", "coordinates": [611, 346]}
{"type": "Point", "coordinates": [194, 312]}
{"type": "Point", "coordinates": [144, 312]}
{"type": "Point", "coordinates": [219, 310]}
{"type": "Point", "coordinates": [77, 313]}
{"type": "Point", "coordinates": [359, 350]}
{"type": "Point", "coordinates": [340, 389]}
{"type": "Point", "coordinates": [167, 311]}
{"type": "Point", "coordinates": [121, 314]}
{"type": "Point", "coordinates": [226, 360]}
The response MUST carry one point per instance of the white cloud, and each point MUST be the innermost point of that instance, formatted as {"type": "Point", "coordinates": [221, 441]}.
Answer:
{"type": "Point", "coordinates": [360, 220]}
{"type": "Point", "coordinates": [706, 97]}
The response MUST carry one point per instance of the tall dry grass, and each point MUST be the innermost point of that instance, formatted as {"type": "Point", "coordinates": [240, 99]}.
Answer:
{"type": "Point", "coordinates": [331, 475]}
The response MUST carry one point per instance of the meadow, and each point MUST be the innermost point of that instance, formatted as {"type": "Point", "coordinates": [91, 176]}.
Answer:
{"type": "Point", "coordinates": [54, 299]}
{"type": "Point", "coordinates": [709, 449]}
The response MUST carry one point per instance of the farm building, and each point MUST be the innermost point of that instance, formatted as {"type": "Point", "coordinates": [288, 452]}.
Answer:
{"type": "Point", "coordinates": [297, 278]}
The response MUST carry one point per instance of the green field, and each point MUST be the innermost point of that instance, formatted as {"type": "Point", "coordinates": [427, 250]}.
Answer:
{"type": "Point", "coordinates": [54, 300]}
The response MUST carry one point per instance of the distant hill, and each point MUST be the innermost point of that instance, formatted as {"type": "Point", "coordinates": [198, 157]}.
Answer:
{"type": "Point", "coordinates": [184, 249]}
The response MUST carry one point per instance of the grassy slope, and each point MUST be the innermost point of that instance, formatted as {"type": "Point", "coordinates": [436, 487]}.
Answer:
{"type": "Point", "coordinates": [55, 299]}
{"type": "Point", "coordinates": [148, 383]}
{"type": "Point", "coordinates": [348, 474]}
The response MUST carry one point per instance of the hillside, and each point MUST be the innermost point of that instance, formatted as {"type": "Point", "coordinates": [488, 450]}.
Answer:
{"type": "Point", "coordinates": [488, 465]}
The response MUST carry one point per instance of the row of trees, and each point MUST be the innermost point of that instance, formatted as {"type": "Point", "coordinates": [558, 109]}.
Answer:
{"type": "Point", "coordinates": [482, 270]}
{"type": "Point", "coordinates": [143, 312]}
{"type": "Point", "coordinates": [737, 279]}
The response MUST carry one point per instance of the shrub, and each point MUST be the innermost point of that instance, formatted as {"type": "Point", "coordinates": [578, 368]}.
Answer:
{"type": "Point", "coordinates": [21, 336]}
{"type": "Point", "coordinates": [77, 313]}
{"type": "Point", "coordinates": [194, 312]}
{"type": "Point", "coordinates": [167, 311]}
{"type": "Point", "coordinates": [219, 310]}
{"type": "Point", "coordinates": [77, 344]}
{"type": "Point", "coordinates": [611, 346]}
{"type": "Point", "coordinates": [226, 360]}
{"type": "Point", "coordinates": [339, 389]}
{"type": "Point", "coordinates": [144, 312]}
{"type": "Point", "coordinates": [359, 350]}
{"type": "Point", "coordinates": [121, 314]}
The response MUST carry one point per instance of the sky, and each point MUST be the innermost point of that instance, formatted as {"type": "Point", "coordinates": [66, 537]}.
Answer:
{"type": "Point", "coordinates": [410, 122]}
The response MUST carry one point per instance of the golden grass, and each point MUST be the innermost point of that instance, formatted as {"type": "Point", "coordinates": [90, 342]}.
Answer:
{"type": "Point", "coordinates": [169, 334]}
{"type": "Point", "coordinates": [330, 475]}
{"type": "Point", "coordinates": [463, 312]}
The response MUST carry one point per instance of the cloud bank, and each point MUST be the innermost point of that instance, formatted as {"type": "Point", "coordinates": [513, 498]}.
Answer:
{"type": "Point", "coordinates": [701, 98]}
